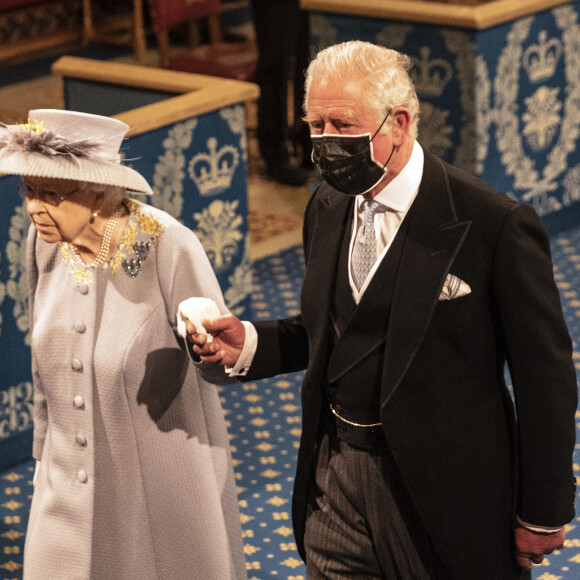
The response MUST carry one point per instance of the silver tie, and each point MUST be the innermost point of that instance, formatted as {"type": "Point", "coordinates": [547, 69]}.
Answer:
{"type": "Point", "coordinates": [364, 252]}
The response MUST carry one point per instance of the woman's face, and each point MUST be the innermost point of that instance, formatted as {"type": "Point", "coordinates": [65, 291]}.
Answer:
{"type": "Point", "coordinates": [59, 210]}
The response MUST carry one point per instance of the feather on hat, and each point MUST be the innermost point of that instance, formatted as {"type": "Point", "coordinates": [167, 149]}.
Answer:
{"type": "Point", "coordinates": [71, 145]}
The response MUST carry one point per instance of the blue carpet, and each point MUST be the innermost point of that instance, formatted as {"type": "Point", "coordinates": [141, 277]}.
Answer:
{"type": "Point", "coordinates": [264, 424]}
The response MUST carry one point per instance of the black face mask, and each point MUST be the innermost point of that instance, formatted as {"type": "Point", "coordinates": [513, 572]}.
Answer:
{"type": "Point", "coordinates": [346, 162]}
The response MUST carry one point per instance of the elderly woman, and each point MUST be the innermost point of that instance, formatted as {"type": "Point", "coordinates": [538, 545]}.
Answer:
{"type": "Point", "coordinates": [133, 477]}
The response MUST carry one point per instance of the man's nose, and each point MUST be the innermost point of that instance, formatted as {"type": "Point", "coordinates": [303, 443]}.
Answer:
{"type": "Point", "coordinates": [330, 129]}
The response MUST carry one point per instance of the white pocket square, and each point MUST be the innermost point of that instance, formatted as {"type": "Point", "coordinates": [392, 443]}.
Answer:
{"type": "Point", "coordinates": [454, 287]}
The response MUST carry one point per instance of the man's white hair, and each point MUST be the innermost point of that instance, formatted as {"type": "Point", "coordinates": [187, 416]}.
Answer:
{"type": "Point", "coordinates": [384, 74]}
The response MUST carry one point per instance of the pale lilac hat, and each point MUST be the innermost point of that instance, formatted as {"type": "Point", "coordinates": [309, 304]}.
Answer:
{"type": "Point", "coordinates": [63, 144]}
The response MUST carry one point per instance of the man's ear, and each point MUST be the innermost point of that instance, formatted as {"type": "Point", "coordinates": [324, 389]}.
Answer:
{"type": "Point", "coordinates": [400, 129]}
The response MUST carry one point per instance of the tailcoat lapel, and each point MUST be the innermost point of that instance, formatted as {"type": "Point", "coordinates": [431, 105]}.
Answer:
{"type": "Point", "coordinates": [434, 237]}
{"type": "Point", "coordinates": [322, 253]}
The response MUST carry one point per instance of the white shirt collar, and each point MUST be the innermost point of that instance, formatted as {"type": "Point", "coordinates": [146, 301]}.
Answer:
{"type": "Point", "coordinates": [400, 193]}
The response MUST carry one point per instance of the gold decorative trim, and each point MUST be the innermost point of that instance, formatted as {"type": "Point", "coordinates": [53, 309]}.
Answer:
{"type": "Point", "coordinates": [200, 94]}
{"type": "Point", "coordinates": [484, 15]}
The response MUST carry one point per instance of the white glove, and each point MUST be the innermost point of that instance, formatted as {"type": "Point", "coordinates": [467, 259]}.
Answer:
{"type": "Point", "coordinates": [196, 310]}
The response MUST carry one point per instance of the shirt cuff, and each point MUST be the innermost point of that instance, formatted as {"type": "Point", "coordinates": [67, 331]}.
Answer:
{"type": "Point", "coordinates": [540, 529]}
{"type": "Point", "coordinates": [240, 369]}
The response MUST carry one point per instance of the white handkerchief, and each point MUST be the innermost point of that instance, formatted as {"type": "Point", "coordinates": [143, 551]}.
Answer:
{"type": "Point", "coordinates": [454, 287]}
{"type": "Point", "coordinates": [196, 309]}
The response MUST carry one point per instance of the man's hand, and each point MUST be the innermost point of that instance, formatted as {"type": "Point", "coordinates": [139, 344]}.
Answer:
{"type": "Point", "coordinates": [531, 546]}
{"type": "Point", "coordinates": [228, 340]}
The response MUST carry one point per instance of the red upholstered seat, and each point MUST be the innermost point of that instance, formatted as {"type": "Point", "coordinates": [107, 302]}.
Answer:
{"type": "Point", "coordinates": [231, 60]}
{"type": "Point", "coordinates": [222, 59]}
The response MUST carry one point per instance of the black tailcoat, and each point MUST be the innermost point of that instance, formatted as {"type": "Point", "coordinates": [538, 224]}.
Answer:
{"type": "Point", "coordinates": [448, 416]}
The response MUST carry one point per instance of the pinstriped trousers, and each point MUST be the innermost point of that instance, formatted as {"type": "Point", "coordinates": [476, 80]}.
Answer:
{"type": "Point", "coordinates": [361, 521]}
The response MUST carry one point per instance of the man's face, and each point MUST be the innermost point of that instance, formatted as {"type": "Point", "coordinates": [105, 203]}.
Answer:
{"type": "Point", "coordinates": [338, 108]}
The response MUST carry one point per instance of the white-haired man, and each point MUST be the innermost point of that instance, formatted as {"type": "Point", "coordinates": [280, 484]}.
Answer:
{"type": "Point", "coordinates": [421, 283]}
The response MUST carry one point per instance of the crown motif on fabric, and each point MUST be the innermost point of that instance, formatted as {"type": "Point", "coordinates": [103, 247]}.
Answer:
{"type": "Point", "coordinates": [430, 76]}
{"type": "Point", "coordinates": [212, 172]}
{"type": "Point", "coordinates": [540, 59]}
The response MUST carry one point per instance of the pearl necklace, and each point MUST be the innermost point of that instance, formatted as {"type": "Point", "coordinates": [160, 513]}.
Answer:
{"type": "Point", "coordinates": [105, 247]}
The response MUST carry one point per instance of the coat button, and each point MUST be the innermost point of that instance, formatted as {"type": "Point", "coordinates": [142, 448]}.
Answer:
{"type": "Point", "coordinates": [77, 365]}
{"type": "Point", "coordinates": [81, 440]}
{"type": "Point", "coordinates": [80, 327]}
{"type": "Point", "coordinates": [83, 288]}
{"type": "Point", "coordinates": [79, 402]}
{"type": "Point", "coordinates": [82, 476]}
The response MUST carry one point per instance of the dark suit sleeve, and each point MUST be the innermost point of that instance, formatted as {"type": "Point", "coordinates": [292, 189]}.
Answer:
{"type": "Point", "coordinates": [539, 353]}
{"type": "Point", "coordinates": [282, 348]}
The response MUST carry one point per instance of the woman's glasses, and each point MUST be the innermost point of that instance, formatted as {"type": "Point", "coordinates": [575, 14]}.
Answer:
{"type": "Point", "coordinates": [47, 196]}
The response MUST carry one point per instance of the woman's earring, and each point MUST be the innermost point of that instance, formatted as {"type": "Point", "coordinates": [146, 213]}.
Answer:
{"type": "Point", "coordinates": [93, 216]}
